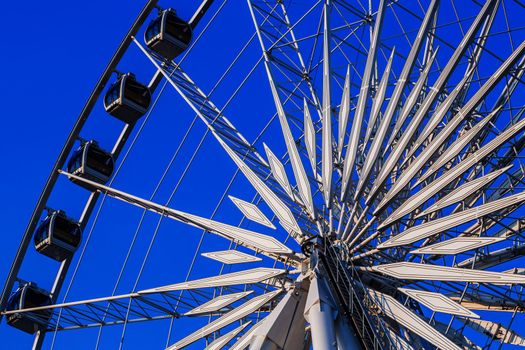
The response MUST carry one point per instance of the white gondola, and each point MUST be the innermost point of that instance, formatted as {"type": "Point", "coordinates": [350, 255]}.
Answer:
{"type": "Point", "coordinates": [58, 236]}
{"type": "Point", "coordinates": [127, 99]}
{"type": "Point", "coordinates": [168, 35]}
{"type": "Point", "coordinates": [91, 162]}
{"type": "Point", "coordinates": [25, 297]}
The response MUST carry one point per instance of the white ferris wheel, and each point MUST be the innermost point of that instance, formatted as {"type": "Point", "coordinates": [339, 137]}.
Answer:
{"type": "Point", "coordinates": [360, 183]}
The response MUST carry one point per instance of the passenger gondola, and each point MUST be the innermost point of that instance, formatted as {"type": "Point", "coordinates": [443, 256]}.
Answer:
{"type": "Point", "coordinates": [91, 162]}
{"type": "Point", "coordinates": [127, 99]}
{"type": "Point", "coordinates": [25, 297]}
{"type": "Point", "coordinates": [58, 236]}
{"type": "Point", "coordinates": [168, 35]}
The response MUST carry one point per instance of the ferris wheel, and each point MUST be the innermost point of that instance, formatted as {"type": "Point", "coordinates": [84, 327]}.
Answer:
{"type": "Point", "coordinates": [380, 199]}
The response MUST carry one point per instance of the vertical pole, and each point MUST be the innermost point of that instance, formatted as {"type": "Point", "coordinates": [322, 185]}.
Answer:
{"type": "Point", "coordinates": [345, 335]}
{"type": "Point", "coordinates": [320, 313]}
{"type": "Point", "coordinates": [284, 327]}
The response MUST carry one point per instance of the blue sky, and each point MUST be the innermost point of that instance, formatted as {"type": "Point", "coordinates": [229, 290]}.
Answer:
{"type": "Point", "coordinates": [52, 56]}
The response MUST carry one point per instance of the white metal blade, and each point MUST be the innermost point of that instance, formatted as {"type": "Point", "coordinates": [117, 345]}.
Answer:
{"type": "Point", "coordinates": [399, 313]}
{"type": "Point", "coordinates": [438, 115]}
{"type": "Point", "coordinates": [399, 342]}
{"type": "Point", "coordinates": [243, 342]}
{"type": "Point", "coordinates": [219, 343]}
{"type": "Point", "coordinates": [431, 228]}
{"type": "Point", "coordinates": [463, 191]}
{"type": "Point", "coordinates": [457, 245]}
{"type": "Point", "coordinates": [344, 111]}
{"type": "Point", "coordinates": [265, 242]}
{"type": "Point", "coordinates": [456, 147]}
{"type": "Point", "coordinates": [412, 99]}
{"type": "Point", "coordinates": [379, 98]}
{"type": "Point", "coordinates": [256, 275]}
{"type": "Point", "coordinates": [438, 302]}
{"type": "Point", "coordinates": [309, 139]}
{"type": "Point", "coordinates": [327, 153]}
{"type": "Point", "coordinates": [228, 318]}
{"type": "Point", "coordinates": [421, 272]}
{"type": "Point", "coordinates": [217, 303]}
{"type": "Point", "coordinates": [252, 212]}
{"type": "Point", "coordinates": [278, 171]}
{"type": "Point", "coordinates": [374, 150]}
{"type": "Point", "coordinates": [230, 257]}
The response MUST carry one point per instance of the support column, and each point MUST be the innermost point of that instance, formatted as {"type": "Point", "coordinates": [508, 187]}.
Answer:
{"type": "Point", "coordinates": [320, 313]}
{"type": "Point", "coordinates": [284, 327]}
{"type": "Point", "coordinates": [345, 335]}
